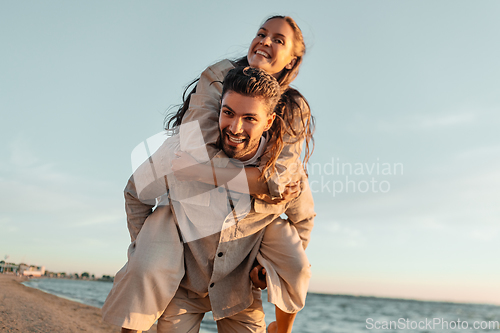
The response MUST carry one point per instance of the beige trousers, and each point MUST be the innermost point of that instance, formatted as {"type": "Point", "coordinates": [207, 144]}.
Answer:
{"type": "Point", "coordinates": [184, 315]}
{"type": "Point", "coordinates": [144, 287]}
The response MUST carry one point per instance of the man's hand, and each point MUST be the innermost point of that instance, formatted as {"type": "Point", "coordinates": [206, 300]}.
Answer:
{"type": "Point", "coordinates": [254, 275]}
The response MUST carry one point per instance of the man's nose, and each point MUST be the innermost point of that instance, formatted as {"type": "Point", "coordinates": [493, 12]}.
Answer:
{"type": "Point", "coordinates": [236, 126]}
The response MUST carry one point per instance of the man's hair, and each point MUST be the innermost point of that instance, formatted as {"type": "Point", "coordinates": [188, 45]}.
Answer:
{"type": "Point", "coordinates": [253, 82]}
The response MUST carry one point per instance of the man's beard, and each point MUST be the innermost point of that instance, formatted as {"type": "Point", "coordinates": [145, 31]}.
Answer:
{"type": "Point", "coordinates": [246, 147]}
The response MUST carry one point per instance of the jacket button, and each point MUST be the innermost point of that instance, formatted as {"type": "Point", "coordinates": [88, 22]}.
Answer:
{"type": "Point", "coordinates": [221, 189]}
{"type": "Point", "coordinates": [219, 254]}
{"type": "Point", "coordinates": [211, 285]}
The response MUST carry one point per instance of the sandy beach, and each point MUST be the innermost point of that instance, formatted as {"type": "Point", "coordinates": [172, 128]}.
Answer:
{"type": "Point", "coordinates": [24, 309]}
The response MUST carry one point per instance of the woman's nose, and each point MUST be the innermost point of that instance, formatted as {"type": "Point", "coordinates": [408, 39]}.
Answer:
{"type": "Point", "coordinates": [266, 41]}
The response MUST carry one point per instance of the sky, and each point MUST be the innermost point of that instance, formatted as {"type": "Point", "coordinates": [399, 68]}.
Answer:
{"type": "Point", "coordinates": [406, 168]}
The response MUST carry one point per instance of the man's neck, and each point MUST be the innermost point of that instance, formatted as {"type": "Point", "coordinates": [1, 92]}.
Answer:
{"type": "Point", "coordinates": [258, 152]}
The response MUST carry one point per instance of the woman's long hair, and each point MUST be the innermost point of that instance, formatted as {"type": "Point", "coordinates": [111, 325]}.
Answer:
{"type": "Point", "coordinates": [292, 104]}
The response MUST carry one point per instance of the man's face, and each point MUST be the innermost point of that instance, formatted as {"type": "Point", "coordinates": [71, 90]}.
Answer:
{"type": "Point", "coordinates": [242, 121]}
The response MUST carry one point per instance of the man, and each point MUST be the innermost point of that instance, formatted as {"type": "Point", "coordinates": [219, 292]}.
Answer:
{"type": "Point", "coordinates": [220, 227]}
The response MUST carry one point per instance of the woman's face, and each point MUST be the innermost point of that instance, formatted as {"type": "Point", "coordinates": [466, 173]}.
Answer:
{"type": "Point", "coordinates": [272, 48]}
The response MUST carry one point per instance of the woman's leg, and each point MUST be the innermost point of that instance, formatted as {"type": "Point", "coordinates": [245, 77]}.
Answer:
{"type": "Point", "coordinates": [146, 284]}
{"type": "Point", "coordinates": [287, 270]}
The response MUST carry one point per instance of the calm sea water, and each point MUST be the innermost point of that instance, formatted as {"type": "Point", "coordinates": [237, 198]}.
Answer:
{"type": "Point", "coordinates": [329, 313]}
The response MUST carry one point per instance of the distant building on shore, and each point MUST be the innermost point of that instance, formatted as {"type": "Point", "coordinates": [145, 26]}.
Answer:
{"type": "Point", "coordinates": [39, 271]}
{"type": "Point", "coordinates": [22, 269]}
{"type": "Point", "coordinates": [8, 267]}
{"type": "Point", "coordinates": [35, 271]}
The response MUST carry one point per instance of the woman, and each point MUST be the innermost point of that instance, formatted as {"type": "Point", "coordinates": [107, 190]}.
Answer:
{"type": "Point", "coordinates": [278, 49]}
{"type": "Point", "coordinates": [281, 57]}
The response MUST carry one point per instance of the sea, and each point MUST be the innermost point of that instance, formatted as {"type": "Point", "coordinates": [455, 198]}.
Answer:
{"type": "Point", "coordinates": [329, 313]}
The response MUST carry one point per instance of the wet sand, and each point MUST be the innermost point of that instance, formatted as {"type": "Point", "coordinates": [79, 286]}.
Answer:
{"type": "Point", "coordinates": [24, 309]}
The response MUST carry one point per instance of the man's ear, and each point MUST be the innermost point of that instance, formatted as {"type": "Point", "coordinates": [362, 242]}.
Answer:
{"type": "Point", "coordinates": [291, 63]}
{"type": "Point", "coordinates": [270, 120]}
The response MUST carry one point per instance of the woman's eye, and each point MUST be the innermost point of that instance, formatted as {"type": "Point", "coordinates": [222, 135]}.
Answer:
{"type": "Point", "coordinates": [279, 41]}
{"type": "Point", "coordinates": [261, 35]}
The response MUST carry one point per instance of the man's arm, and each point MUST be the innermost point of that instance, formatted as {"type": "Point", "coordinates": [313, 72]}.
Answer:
{"type": "Point", "coordinates": [147, 183]}
{"type": "Point", "coordinates": [137, 210]}
{"type": "Point", "coordinates": [301, 212]}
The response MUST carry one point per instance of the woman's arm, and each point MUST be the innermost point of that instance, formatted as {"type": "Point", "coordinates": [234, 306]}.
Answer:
{"type": "Point", "coordinates": [204, 107]}
{"type": "Point", "coordinates": [301, 213]}
{"type": "Point", "coordinates": [186, 168]}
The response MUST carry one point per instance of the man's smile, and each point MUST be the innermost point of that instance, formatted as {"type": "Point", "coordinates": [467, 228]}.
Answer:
{"type": "Point", "coordinates": [236, 140]}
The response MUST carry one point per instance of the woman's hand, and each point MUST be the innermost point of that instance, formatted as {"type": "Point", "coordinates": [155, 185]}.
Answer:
{"type": "Point", "coordinates": [292, 191]}
{"type": "Point", "coordinates": [185, 167]}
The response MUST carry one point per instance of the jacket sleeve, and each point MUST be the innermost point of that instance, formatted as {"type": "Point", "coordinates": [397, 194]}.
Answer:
{"type": "Point", "coordinates": [301, 213]}
{"type": "Point", "coordinates": [204, 105]}
{"type": "Point", "coordinates": [288, 165]}
{"type": "Point", "coordinates": [147, 183]}
{"type": "Point", "coordinates": [137, 210]}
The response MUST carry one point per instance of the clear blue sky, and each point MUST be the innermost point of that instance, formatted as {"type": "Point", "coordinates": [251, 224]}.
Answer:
{"type": "Point", "coordinates": [405, 84]}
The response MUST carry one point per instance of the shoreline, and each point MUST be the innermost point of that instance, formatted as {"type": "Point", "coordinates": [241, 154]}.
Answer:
{"type": "Point", "coordinates": [26, 309]}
